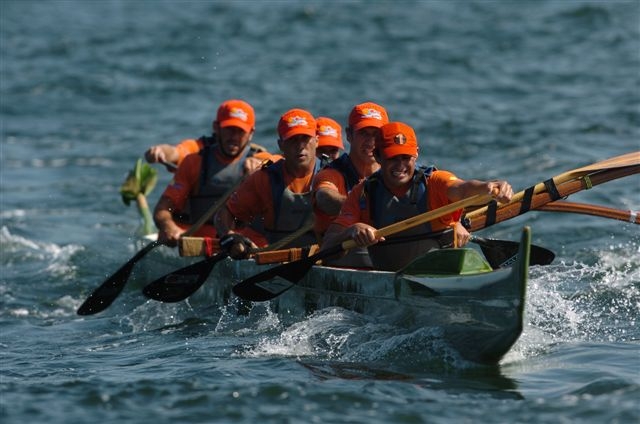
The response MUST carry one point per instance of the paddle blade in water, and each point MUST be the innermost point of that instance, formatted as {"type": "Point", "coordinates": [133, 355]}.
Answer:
{"type": "Point", "coordinates": [503, 253]}
{"type": "Point", "coordinates": [275, 281]}
{"type": "Point", "coordinates": [261, 287]}
{"type": "Point", "coordinates": [181, 284]}
{"type": "Point", "coordinates": [104, 295]}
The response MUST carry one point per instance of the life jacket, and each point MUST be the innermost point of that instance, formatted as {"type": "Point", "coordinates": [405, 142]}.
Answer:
{"type": "Point", "coordinates": [358, 257]}
{"type": "Point", "coordinates": [386, 209]}
{"type": "Point", "coordinates": [215, 179]}
{"type": "Point", "coordinates": [344, 165]}
{"type": "Point", "coordinates": [291, 210]}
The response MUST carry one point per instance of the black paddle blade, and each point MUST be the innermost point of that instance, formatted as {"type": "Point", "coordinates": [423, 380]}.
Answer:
{"type": "Point", "coordinates": [107, 292]}
{"type": "Point", "coordinates": [104, 295]}
{"type": "Point", "coordinates": [504, 253]}
{"type": "Point", "coordinates": [265, 286]}
{"type": "Point", "coordinates": [182, 283]}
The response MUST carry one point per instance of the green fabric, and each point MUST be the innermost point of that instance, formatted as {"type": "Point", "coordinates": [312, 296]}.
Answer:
{"type": "Point", "coordinates": [448, 262]}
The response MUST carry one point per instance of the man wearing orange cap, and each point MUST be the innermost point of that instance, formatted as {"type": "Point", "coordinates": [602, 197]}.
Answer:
{"type": "Point", "coordinates": [400, 190]}
{"type": "Point", "coordinates": [331, 185]}
{"type": "Point", "coordinates": [203, 177]}
{"type": "Point", "coordinates": [173, 155]}
{"type": "Point", "coordinates": [275, 200]}
{"type": "Point", "coordinates": [329, 134]}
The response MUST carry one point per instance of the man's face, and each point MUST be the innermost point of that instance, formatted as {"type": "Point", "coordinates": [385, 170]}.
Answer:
{"type": "Point", "coordinates": [397, 171]}
{"type": "Point", "coordinates": [233, 140]}
{"type": "Point", "coordinates": [299, 150]}
{"type": "Point", "coordinates": [363, 142]}
{"type": "Point", "coordinates": [332, 152]}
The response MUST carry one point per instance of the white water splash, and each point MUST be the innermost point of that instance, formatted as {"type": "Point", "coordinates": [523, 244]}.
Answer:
{"type": "Point", "coordinates": [17, 249]}
{"type": "Point", "coordinates": [576, 302]}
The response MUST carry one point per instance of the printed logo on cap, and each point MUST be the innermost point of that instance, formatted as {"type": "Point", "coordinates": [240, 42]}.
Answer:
{"type": "Point", "coordinates": [297, 121]}
{"type": "Point", "coordinates": [327, 131]}
{"type": "Point", "coordinates": [238, 113]}
{"type": "Point", "coordinates": [400, 139]}
{"type": "Point", "coordinates": [371, 113]}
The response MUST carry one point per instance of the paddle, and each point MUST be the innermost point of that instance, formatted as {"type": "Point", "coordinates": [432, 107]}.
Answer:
{"type": "Point", "coordinates": [504, 253]}
{"type": "Point", "coordinates": [182, 283]}
{"type": "Point", "coordinates": [109, 290]}
{"type": "Point", "coordinates": [171, 167]}
{"type": "Point", "coordinates": [140, 181]}
{"type": "Point", "coordinates": [251, 289]}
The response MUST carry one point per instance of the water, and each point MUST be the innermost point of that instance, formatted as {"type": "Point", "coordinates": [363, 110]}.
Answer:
{"type": "Point", "coordinates": [517, 90]}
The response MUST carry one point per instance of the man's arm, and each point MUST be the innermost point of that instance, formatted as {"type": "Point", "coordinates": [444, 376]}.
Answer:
{"type": "Point", "coordinates": [329, 201]}
{"type": "Point", "coordinates": [162, 153]}
{"type": "Point", "coordinates": [168, 231]}
{"type": "Point", "coordinates": [501, 190]}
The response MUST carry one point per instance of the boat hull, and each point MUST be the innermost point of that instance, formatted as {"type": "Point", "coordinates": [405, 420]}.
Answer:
{"type": "Point", "coordinates": [480, 314]}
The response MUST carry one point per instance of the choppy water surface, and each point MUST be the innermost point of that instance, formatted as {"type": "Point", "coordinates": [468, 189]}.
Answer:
{"type": "Point", "coordinates": [495, 89]}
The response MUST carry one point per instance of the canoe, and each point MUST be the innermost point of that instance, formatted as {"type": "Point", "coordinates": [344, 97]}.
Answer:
{"type": "Point", "coordinates": [475, 310]}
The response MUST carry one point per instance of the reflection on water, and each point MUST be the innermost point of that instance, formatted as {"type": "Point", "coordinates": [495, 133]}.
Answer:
{"type": "Point", "coordinates": [486, 380]}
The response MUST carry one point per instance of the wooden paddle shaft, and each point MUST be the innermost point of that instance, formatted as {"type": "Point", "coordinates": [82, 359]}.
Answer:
{"type": "Point", "coordinates": [595, 210]}
{"type": "Point", "coordinates": [424, 217]}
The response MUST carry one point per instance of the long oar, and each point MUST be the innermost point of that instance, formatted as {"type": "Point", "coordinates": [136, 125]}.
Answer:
{"type": "Point", "coordinates": [594, 210]}
{"type": "Point", "coordinates": [109, 290]}
{"type": "Point", "coordinates": [181, 284]}
{"type": "Point", "coordinates": [251, 288]}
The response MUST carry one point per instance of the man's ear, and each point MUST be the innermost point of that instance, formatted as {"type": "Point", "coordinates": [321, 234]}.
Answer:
{"type": "Point", "coordinates": [376, 155]}
{"type": "Point", "coordinates": [280, 144]}
{"type": "Point", "coordinates": [215, 126]}
{"type": "Point", "coordinates": [349, 133]}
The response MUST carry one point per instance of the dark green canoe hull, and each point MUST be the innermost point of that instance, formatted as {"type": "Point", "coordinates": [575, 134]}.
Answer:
{"type": "Point", "coordinates": [477, 311]}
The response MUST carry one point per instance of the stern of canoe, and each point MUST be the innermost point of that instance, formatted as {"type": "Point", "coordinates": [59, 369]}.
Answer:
{"type": "Point", "coordinates": [481, 314]}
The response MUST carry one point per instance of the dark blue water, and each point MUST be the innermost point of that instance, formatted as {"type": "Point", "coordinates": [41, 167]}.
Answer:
{"type": "Point", "coordinates": [495, 89]}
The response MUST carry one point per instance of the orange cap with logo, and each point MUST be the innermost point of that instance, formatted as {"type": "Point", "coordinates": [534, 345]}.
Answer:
{"type": "Point", "coordinates": [396, 138]}
{"type": "Point", "coordinates": [367, 115]}
{"type": "Point", "coordinates": [294, 122]}
{"type": "Point", "coordinates": [329, 133]}
{"type": "Point", "coordinates": [236, 113]}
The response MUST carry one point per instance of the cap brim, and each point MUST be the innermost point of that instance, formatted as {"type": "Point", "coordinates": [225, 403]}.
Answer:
{"type": "Point", "coordinates": [329, 142]}
{"type": "Point", "coordinates": [311, 132]}
{"type": "Point", "coordinates": [391, 151]}
{"type": "Point", "coordinates": [244, 126]}
{"type": "Point", "coordinates": [367, 123]}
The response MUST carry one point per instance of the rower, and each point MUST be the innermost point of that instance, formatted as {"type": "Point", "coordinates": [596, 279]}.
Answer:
{"type": "Point", "coordinates": [276, 200]}
{"type": "Point", "coordinates": [401, 189]}
{"type": "Point", "coordinates": [203, 177]}
{"type": "Point", "coordinates": [333, 183]}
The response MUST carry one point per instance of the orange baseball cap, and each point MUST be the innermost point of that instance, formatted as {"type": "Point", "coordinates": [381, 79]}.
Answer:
{"type": "Point", "coordinates": [295, 122]}
{"type": "Point", "coordinates": [329, 133]}
{"type": "Point", "coordinates": [236, 113]}
{"type": "Point", "coordinates": [367, 115]}
{"type": "Point", "coordinates": [396, 138]}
